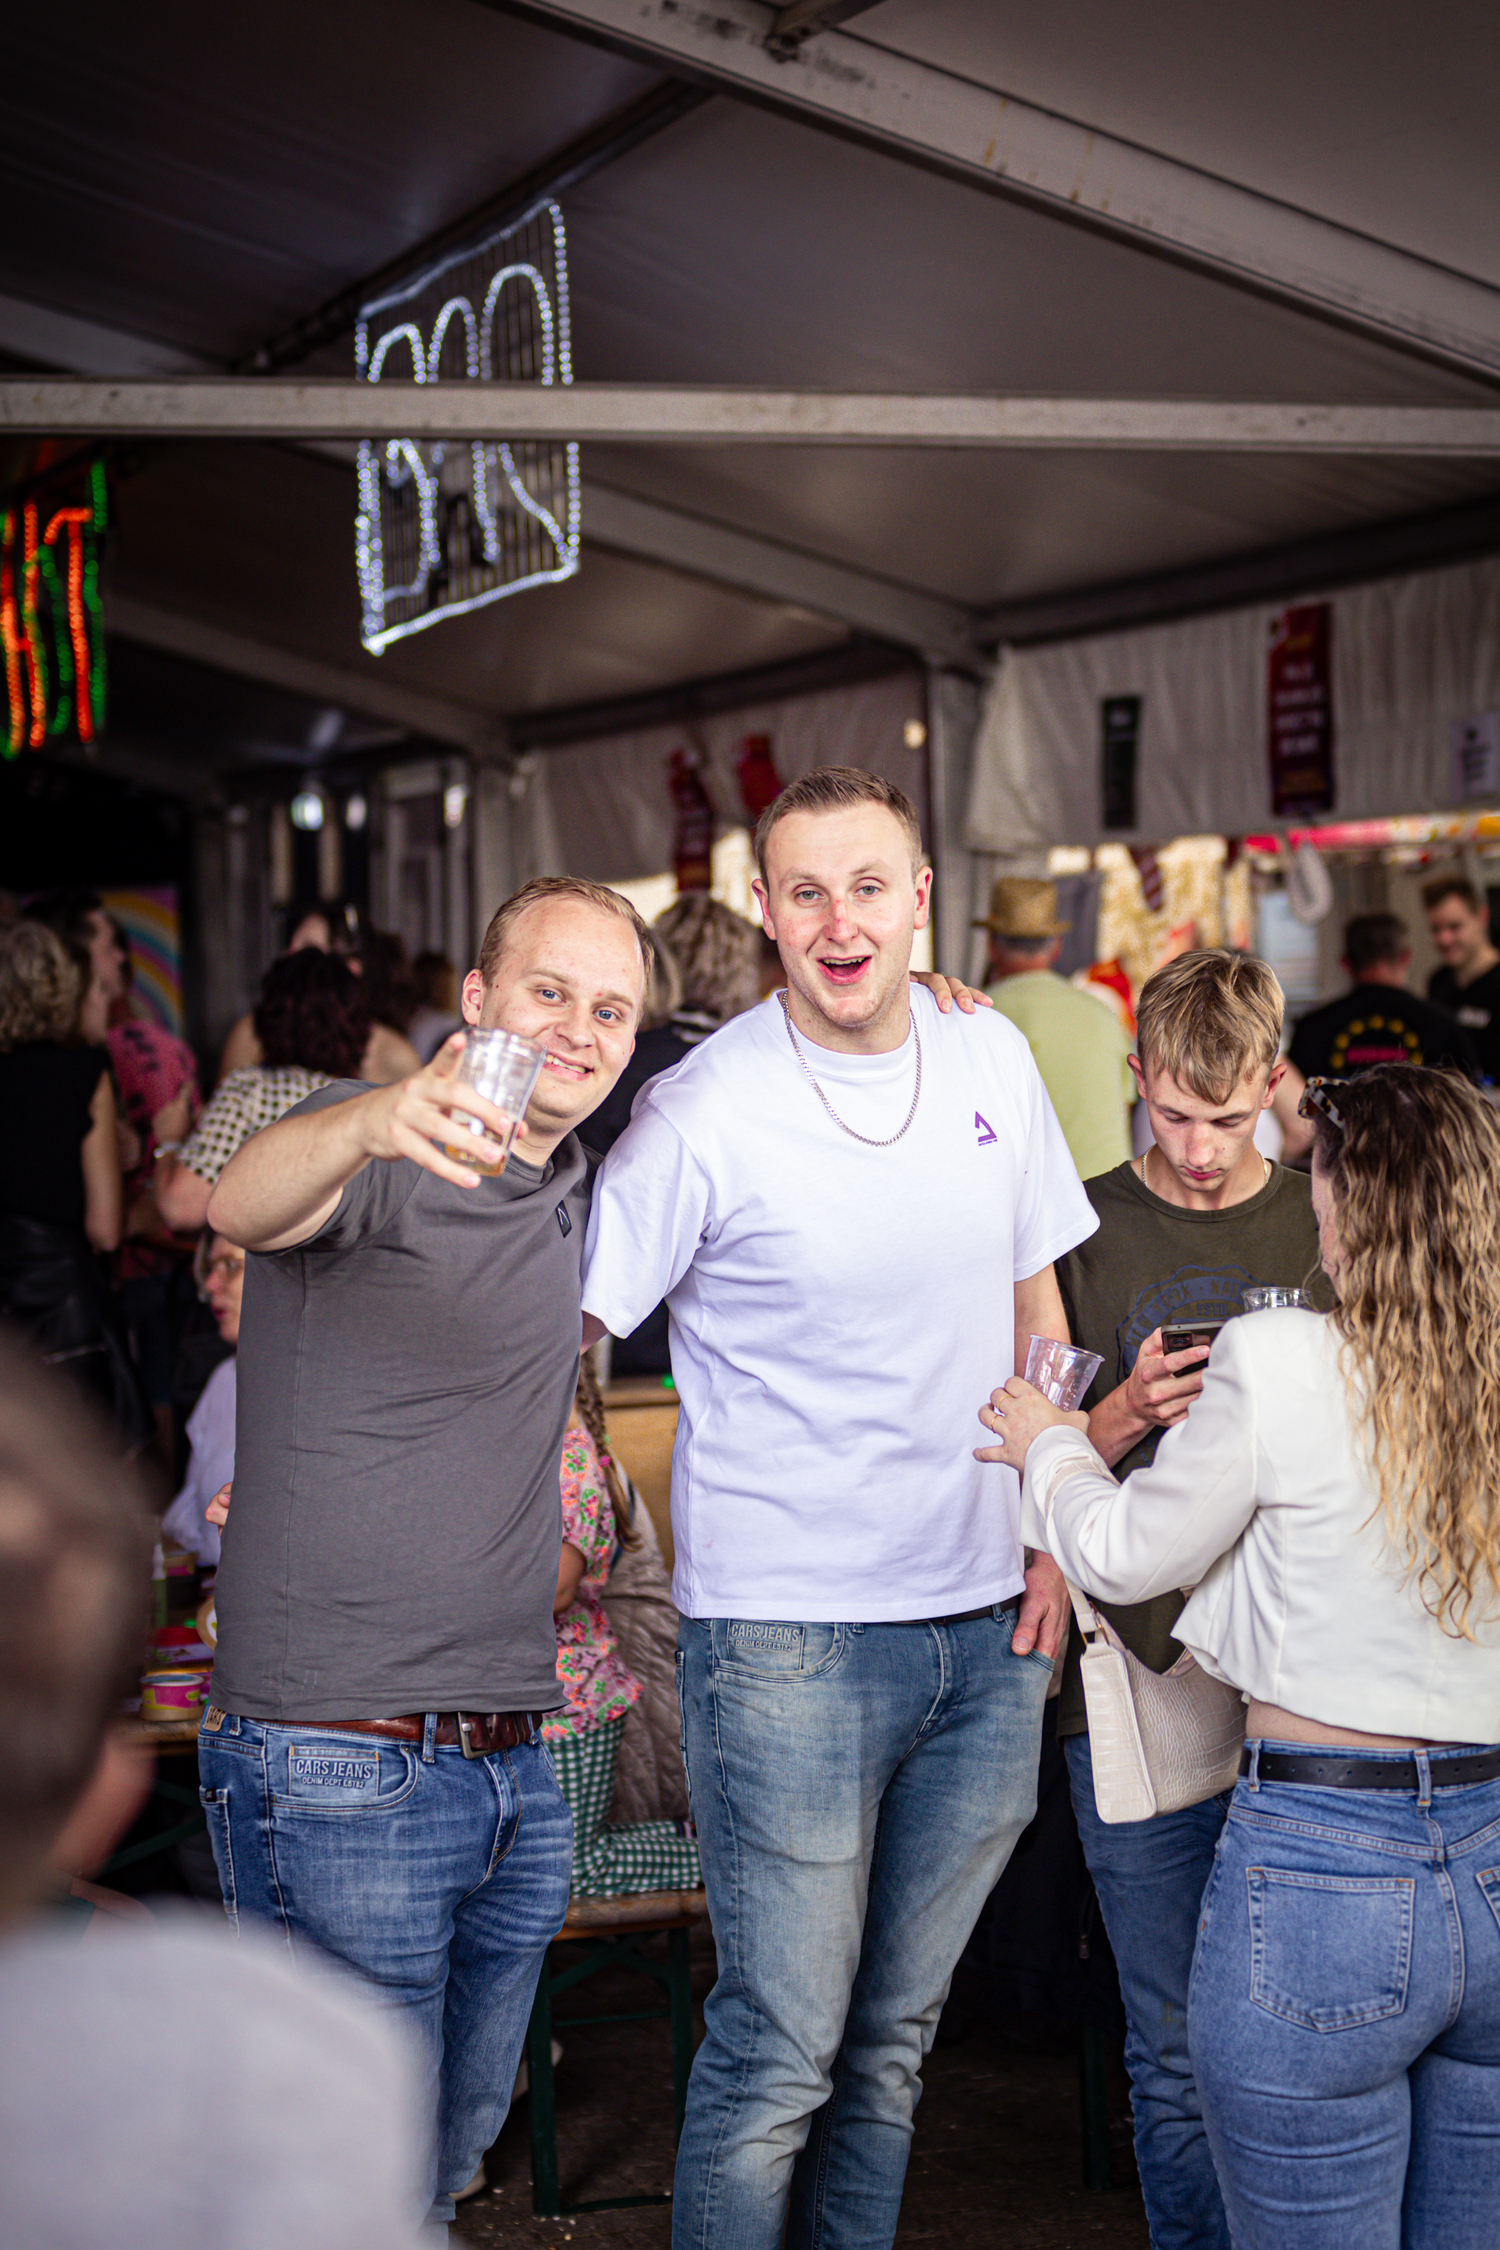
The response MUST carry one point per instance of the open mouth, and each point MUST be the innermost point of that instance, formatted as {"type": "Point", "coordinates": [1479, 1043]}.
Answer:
{"type": "Point", "coordinates": [560, 1067]}
{"type": "Point", "coordinates": [846, 969]}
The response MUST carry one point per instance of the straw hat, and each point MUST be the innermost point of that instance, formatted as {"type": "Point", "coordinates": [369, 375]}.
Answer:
{"type": "Point", "coordinates": [1023, 906]}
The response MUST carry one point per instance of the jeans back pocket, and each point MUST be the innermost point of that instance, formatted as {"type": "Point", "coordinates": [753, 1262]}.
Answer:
{"type": "Point", "coordinates": [1330, 1952]}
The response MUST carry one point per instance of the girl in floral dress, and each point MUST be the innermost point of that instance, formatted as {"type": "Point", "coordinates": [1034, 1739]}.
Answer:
{"type": "Point", "coordinates": [584, 1737]}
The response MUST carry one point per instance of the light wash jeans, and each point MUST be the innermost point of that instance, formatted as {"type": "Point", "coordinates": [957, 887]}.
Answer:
{"type": "Point", "coordinates": [1344, 2018]}
{"type": "Point", "coordinates": [857, 1790]}
{"type": "Point", "coordinates": [1150, 1876]}
{"type": "Point", "coordinates": [438, 1879]}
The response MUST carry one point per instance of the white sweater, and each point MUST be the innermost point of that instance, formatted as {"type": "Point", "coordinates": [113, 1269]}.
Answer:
{"type": "Point", "coordinates": [1261, 1501]}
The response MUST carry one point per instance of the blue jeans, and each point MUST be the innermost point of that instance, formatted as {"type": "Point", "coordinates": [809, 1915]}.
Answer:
{"type": "Point", "coordinates": [1150, 1876]}
{"type": "Point", "coordinates": [857, 1790]}
{"type": "Point", "coordinates": [1345, 2015]}
{"type": "Point", "coordinates": [437, 1879]}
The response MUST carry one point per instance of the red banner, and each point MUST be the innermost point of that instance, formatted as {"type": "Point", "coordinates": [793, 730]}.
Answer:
{"type": "Point", "coordinates": [692, 852]}
{"type": "Point", "coordinates": [1299, 710]}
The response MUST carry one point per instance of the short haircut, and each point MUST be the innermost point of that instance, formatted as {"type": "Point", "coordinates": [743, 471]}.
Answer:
{"type": "Point", "coordinates": [75, 1564]}
{"type": "Point", "coordinates": [543, 887]}
{"type": "Point", "coordinates": [41, 986]}
{"type": "Point", "coordinates": [716, 953]}
{"type": "Point", "coordinates": [313, 1013]}
{"type": "Point", "coordinates": [837, 789]}
{"type": "Point", "coordinates": [1453, 886]}
{"type": "Point", "coordinates": [1371, 941]}
{"type": "Point", "coordinates": [1209, 1019]}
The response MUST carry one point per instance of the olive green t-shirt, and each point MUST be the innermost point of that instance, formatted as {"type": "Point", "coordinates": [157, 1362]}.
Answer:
{"type": "Point", "coordinates": [1151, 1262]}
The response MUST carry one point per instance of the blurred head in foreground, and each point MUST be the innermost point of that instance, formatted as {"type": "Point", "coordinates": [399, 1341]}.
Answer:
{"type": "Point", "coordinates": [75, 1547]}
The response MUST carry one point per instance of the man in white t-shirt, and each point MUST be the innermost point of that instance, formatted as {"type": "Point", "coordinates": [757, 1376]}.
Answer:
{"type": "Point", "coordinates": [851, 1205]}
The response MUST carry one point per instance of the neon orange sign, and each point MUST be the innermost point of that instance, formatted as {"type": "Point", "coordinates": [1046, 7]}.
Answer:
{"type": "Point", "coordinates": [51, 619]}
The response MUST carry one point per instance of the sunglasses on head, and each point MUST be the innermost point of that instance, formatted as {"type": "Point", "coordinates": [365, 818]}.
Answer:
{"type": "Point", "coordinates": [1318, 1101]}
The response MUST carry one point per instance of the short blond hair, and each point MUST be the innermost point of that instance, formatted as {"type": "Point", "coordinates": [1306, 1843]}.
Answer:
{"type": "Point", "coordinates": [1209, 1019]}
{"type": "Point", "coordinates": [41, 986]}
{"type": "Point", "coordinates": [837, 789]}
{"type": "Point", "coordinates": [543, 887]}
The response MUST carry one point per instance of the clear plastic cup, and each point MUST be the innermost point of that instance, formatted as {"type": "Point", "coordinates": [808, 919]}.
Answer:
{"type": "Point", "coordinates": [1276, 1300]}
{"type": "Point", "coordinates": [505, 1070]}
{"type": "Point", "coordinates": [1061, 1372]}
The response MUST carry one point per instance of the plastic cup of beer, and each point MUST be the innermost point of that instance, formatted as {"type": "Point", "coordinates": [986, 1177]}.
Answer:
{"type": "Point", "coordinates": [505, 1070]}
{"type": "Point", "coordinates": [1061, 1372]}
{"type": "Point", "coordinates": [1276, 1300]}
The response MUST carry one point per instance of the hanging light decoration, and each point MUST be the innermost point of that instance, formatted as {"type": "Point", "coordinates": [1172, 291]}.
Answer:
{"type": "Point", "coordinates": [443, 528]}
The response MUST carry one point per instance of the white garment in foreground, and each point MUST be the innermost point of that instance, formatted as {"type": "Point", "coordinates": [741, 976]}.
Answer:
{"type": "Point", "coordinates": [171, 2087]}
{"type": "Point", "coordinates": [1260, 1500]}
{"type": "Point", "coordinates": [839, 1313]}
{"type": "Point", "coordinates": [211, 1463]}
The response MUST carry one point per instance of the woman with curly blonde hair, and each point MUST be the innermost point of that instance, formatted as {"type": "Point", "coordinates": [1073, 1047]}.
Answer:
{"type": "Point", "coordinates": [1334, 1499]}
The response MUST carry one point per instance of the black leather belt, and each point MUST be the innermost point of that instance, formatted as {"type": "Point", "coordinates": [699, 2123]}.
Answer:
{"type": "Point", "coordinates": [1450, 1769]}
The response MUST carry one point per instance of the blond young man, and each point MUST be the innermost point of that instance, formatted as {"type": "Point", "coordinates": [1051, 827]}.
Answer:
{"type": "Point", "coordinates": [1183, 1231]}
{"type": "Point", "coordinates": [851, 1205]}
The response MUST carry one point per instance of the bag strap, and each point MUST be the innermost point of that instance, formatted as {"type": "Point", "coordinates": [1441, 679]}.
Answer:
{"type": "Point", "coordinates": [1088, 1623]}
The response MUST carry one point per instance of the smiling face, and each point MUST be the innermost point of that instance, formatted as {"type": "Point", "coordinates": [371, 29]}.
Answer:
{"type": "Point", "coordinates": [842, 901]}
{"type": "Point", "coordinates": [1209, 1147]}
{"type": "Point", "coordinates": [571, 977]}
{"type": "Point", "coordinates": [1459, 934]}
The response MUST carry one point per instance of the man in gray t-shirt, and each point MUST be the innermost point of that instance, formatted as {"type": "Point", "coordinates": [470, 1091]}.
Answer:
{"type": "Point", "coordinates": [372, 1774]}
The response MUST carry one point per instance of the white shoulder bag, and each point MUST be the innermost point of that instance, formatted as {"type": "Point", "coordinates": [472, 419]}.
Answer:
{"type": "Point", "coordinates": [1159, 1740]}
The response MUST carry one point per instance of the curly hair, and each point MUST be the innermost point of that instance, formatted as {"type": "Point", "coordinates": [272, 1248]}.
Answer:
{"type": "Point", "coordinates": [1414, 1175]}
{"type": "Point", "coordinates": [313, 1011]}
{"type": "Point", "coordinates": [41, 986]}
{"type": "Point", "coordinates": [717, 953]}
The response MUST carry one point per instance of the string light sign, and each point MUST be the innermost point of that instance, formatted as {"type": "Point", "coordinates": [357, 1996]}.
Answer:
{"type": "Point", "coordinates": [51, 620]}
{"type": "Point", "coordinates": [445, 528]}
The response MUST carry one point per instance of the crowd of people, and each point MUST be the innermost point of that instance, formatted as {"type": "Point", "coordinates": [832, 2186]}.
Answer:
{"type": "Point", "coordinates": [852, 1204]}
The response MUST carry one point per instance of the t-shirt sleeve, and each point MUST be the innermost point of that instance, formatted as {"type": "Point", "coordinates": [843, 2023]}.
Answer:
{"type": "Point", "coordinates": [372, 1198]}
{"type": "Point", "coordinates": [652, 1208]}
{"type": "Point", "coordinates": [1052, 1211]}
{"type": "Point", "coordinates": [222, 1128]}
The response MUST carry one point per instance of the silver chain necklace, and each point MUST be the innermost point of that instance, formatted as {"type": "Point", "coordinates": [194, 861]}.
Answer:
{"type": "Point", "coordinates": [827, 1104]}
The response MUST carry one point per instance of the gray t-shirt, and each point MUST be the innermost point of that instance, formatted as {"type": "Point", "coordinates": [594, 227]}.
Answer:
{"type": "Point", "coordinates": [405, 1379]}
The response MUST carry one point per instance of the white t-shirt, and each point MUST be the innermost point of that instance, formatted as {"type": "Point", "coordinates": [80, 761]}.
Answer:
{"type": "Point", "coordinates": [839, 1313]}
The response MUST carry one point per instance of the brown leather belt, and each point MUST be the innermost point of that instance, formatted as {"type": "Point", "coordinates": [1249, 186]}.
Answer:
{"type": "Point", "coordinates": [479, 1734]}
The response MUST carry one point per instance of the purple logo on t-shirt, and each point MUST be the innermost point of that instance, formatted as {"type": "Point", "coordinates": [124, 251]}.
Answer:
{"type": "Point", "coordinates": [984, 1129]}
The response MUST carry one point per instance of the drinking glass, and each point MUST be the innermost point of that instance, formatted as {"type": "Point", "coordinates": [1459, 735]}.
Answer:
{"type": "Point", "coordinates": [505, 1070]}
{"type": "Point", "coordinates": [1061, 1372]}
{"type": "Point", "coordinates": [1276, 1300]}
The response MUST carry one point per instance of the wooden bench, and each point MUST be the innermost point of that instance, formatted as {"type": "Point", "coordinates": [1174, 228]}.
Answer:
{"type": "Point", "coordinates": [602, 1933]}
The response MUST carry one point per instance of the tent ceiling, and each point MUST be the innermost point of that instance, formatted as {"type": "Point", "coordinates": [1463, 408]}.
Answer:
{"type": "Point", "coordinates": [197, 179]}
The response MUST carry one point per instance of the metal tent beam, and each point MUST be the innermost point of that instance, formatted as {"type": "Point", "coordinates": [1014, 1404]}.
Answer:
{"type": "Point", "coordinates": [238, 407]}
{"type": "Point", "coordinates": [644, 529]}
{"type": "Point", "coordinates": [850, 84]}
{"type": "Point", "coordinates": [374, 694]}
{"type": "Point", "coordinates": [753, 565]}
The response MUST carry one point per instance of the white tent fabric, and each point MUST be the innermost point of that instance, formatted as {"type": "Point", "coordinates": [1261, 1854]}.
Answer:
{"type": "Point", "coordinates": [1412, 656]}
{"type": "Point", "coordinates": [603, 809]}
